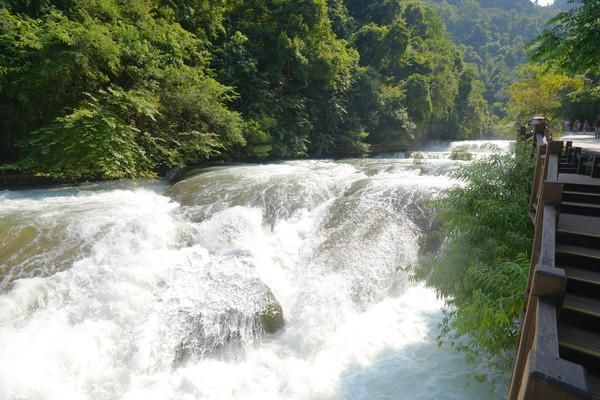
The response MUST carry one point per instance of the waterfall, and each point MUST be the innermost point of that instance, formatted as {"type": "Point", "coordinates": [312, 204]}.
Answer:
{"type": "Point", "coordinates": [275, 281]}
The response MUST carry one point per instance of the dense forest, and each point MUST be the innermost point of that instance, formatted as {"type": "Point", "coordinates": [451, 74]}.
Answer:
{"type": "Point", "coordinates": [493, 35]}
{"type": "Point", "coordinates": [115, 88]}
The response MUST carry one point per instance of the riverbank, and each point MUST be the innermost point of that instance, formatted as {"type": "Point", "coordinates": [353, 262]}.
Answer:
{"type": "Point", "coordinates": [14, 180]}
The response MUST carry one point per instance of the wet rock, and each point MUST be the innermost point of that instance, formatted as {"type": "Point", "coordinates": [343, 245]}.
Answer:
{"type": "Point", "coordinates": [461, 153]}
{"type": "Point", "coordinates": [206, 333]}
{"type": "Point", "coordinates": [271, 315]}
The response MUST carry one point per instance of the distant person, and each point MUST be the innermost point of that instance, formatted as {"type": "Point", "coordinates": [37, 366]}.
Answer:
{"type": "Point", "coordinates": [566, 125]}
{"type": "Point", "coordinates": [597, 127]}
{"type": "Point", "coordinates": [586, 126]}
{"type": "Point", "coordinates": [576, 125]}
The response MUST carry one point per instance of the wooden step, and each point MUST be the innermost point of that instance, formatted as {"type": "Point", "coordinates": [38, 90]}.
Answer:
{"type": "Point", "coordinates": [578, 230]}
{"type": "Point", "coordinates": [594, 384]}
{"type": "Point", "coordinates": [584, 205]}
{"type": "Point", "coordinates": [578, 251]}
{"type": "Point", "coordinates": [578, 224]}
{"type": "Point", "coordinates": [579, 339]}
{"type": "Point", "coordinates": [580, 182]}
{"type": "Point", "coordinates": [579, 192]}
{"type": "Point", "coordinates": [576, 196]}
{"type": "Point", "coordinates": [590, 209]}
{"type": "Point", "coordinates": [567, 170]}
{"type": "Point", "coordinates": [583, 275]}
{"type": "Point", "coordinates": [582, 304]}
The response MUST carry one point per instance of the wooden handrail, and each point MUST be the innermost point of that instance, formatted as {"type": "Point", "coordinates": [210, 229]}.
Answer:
{"type": "Point", "coordinates": [539, 372]}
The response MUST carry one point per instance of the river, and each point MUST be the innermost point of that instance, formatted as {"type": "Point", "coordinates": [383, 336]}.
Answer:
{"type": "Point", "coordinates": [144, 290]}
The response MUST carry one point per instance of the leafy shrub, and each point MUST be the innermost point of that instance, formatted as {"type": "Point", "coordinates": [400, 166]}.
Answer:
{"type": "Point", "coordinates": [481, 268]}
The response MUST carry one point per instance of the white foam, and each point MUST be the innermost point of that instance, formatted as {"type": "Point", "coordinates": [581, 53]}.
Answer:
{"type": "Point", "coordinates": [107, 326]}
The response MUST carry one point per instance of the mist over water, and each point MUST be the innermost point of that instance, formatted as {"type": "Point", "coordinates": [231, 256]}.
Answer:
{"type": "Point", "coordinates": [143, 290]}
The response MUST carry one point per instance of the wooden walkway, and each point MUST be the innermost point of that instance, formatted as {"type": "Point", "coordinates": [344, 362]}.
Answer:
{"type": "Point", "coordinates": [559, 344]}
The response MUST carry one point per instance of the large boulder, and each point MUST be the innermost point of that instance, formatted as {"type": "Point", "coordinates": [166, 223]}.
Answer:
{"type": "Point", "coordinates": [209, 332]}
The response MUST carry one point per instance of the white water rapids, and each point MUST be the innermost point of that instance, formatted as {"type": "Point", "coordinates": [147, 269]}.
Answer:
{"type": "Point", "coordinates": [101, 284]}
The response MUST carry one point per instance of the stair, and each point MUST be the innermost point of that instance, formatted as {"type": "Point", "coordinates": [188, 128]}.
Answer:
{"type": "Point", "coordinates": [579, 230]}
{"type": "Point", "coordinates": [583, 305]}
{"type": "Point", "coordinates": [567, 167]}
{"type": "Point", "coordinates": [577, 251]}
{"type": "Point", "coordinates": [579, 339]}
{"type": "Point", "coordinates": [580, 208]}
{"type": "Point", "coordinates": [583, 275]}
{"type": "Point", "coordinates": [575, 196]}
{"type": "Point", "coordinates": [594, 383]}
{"type": "Point", "coordinates": [580, 256]}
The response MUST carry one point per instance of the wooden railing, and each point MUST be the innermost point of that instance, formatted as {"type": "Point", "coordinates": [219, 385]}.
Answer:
{"type": "Point", "coordinates": [539, 372]}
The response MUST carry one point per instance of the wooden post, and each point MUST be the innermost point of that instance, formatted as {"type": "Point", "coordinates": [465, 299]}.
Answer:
{"type": "Point", "coordinates": [525, 344]}
{"type": "Point", "coordinates": [539, 167]}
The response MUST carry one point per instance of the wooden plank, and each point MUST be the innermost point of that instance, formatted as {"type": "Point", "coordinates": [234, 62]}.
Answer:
{"type": "Point", "coordinates": [548, 240]}
{"type": "Point", "coordinates": [526, 338]}
{"type": "Point", "coordinates": [537, 175]}
{"type": "Point", "coordinates": [577, 179]}
{"type": "Point", "coordinates": [552, 174]}
{"type": "Point", "coordinates": [551, 378]}
{"type": "Point", "coordinates": [579, 224]}
{"type": "Point", "coordinates": [578, 251]}
{"type": "Point", "coordinates": [577, 193]}
{"type": "Point", "coordinates": [581, 304]}
{"type": "Point", "coordinates": [583, 275]}
{"type": "Point", "coordinates": [536, 246]}
{"type": "Point", "coordinates": [552, 193]}
{"type": "Point", "coordinates": [556, 147]}
{"type": "Point", "coordinates": [546, 334]}
{"type": "Point", "coordinates": [586, 205]}
{"type": "Point", "coordinates": [549, 282]}
{"type": "Point", "coordinates": [579, 339]}
{"type": "Point", "coordinates": [594, 385]}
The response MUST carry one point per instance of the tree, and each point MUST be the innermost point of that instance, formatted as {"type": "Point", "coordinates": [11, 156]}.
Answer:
{"type": "Point", "coordinates": [571, 41]}
{"type": "Point", "coordinates": [107, 90]}
{"type": "Point", "coordinates": [493, 35]}
{"type": "Point", "coordinates": [226, 78]}
{"type": "Point", "coordinates": [540, 92]}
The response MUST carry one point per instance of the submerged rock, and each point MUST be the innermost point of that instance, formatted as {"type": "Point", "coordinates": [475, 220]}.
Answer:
{"type": "Point", "coordinates": [207, 333]}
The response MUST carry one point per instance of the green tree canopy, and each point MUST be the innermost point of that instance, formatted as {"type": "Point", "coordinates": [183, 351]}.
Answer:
{"type": "Point", "coordinates": [571, 42]}
{"type": "Point", "coordinates": [124, 88]}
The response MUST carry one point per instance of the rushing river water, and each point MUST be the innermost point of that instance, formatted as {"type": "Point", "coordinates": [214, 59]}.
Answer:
{"type": "Point", "coordinates": [140, 290]}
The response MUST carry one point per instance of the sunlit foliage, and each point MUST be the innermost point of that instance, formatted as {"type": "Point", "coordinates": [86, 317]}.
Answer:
{"type": "Point", "coordinates": [481, 268]}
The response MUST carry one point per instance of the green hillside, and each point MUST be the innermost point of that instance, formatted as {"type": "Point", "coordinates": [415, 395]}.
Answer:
{"type": "Point", "coordinates": [493, 35]}
{"type": "Point", "coordinates": [123, 88]}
